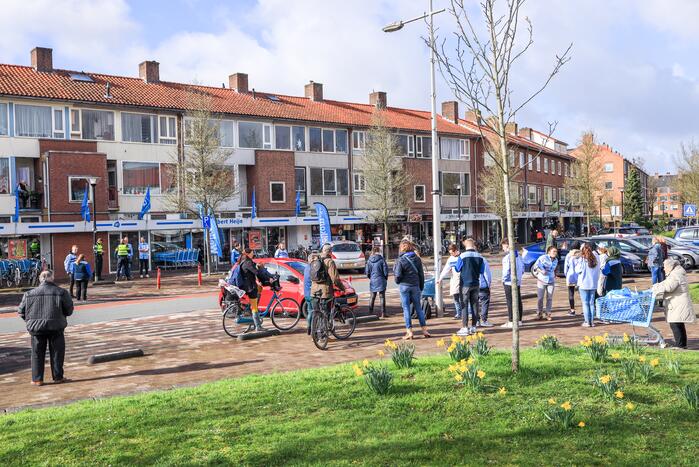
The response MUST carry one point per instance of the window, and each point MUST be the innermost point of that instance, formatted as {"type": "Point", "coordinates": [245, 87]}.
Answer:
{"type": "Point", "coordinates": [608, 185]}
{"type": "Point", "coordinates": [33, 120]}
{"type": "Point", "coordinates": [315, 138]}
{"type": "Point", "coordinates": [512, 157]}
{"type": "Point", "coordinates": [77, 187]}
{"type": "Point", "coordinates": [419, 193]}
{"type": "Point", "coordinates": [277, 192]}
{"type": "Point", "coordinates": [282, 137]}
{"type": "Point", "coordinates": [251, 134]}
{"type": "Point", "coordinates": [490, 195]}
{"type": "Point", "coordinates": [168, 177]}
{"type": "Point", "coordinates": [300, 183]}
{"type": "Point", "coordinates": [531, 191]}
{"type": "Point", "coordinates": [538, 194]}
{"type": "Point", "coordinates": [341, 141]}
{"type": "Point", "coordinates": [521, 160]}
{"type": "Point", "coordinates": [488, 159]}
{"type": "Point", "coordinates": [168, 132]}
{"type": "Point", "coordinates": [299, 135]}
{"type": "Point", "coordinates": [687, 234]}
{"type": "Point", "coordinates": [4, 119]}
{"type": "Point", "coordinates": [5, 176]}
{"type": "Point", "coordinates": [455, 149]}
{"type": "Point", "coordinates": [406, 145]}
{"type": "Point", "coordinates": [546, 166]}
{"type": "Point", "coordinates": [58, 124]}
{"type": "Point", "coordinates": [316, 181]}
{"type": "Point", "coordinates": [566, 169]}
{"type": "Point", "coordinates": [97, 124]}
{"type": "Point", "coordinates": [328, 141]}
{"type": "Point", "coordinates": [530, 162]}
{"type": "Point", "coordinates": [424, 147]}
{"type": "Point", "coordinates": [75, 123]}
{"type": "Point", "coordinates": [538, 164]}
{"type": "Point", "coordinates": [138, 176]}
{"type": "Point", "coordinates": [450, 181]}
{"type": "Point", "coordinates": [358, 140]}
{"type": "Point", "coordinates": [329, 182]}
{"type": "Point", "coordinates": [609, 167]}
{"type": "Point", "coordinates": [674, 207]}
{"type": "Point", "coordinates": [358, 182]}
{"type": "Point", "coordinates": [137, 128]}
{"type": "Point", "coordinates": [559, 167]}
{"type": "Point", "coordinates": [548, 198]}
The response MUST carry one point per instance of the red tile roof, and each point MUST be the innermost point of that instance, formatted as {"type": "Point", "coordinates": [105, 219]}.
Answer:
{"type": "Point", "coordinates": [24, 81]}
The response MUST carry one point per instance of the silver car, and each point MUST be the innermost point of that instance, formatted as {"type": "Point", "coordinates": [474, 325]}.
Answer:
{"type": "Point", "coordinates": [690, 254]}
{"type": "Point", "coordinates": [348, 255]}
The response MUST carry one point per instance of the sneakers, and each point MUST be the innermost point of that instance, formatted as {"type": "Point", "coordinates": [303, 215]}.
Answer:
{"type": "Point", "coordinates": [147, 276]}
{"type": "Point", "coordinates": [548, 317]}
{"type": "Point", "coordinates": [141, 276]}
{"type": "Point", "coordinates": [486, 324]}
{"type": "Point", "coordinates": [571, 312]}
{"type": "Point", "coordinates": [457, 316]}
{"type": "Point", "coordinates": [586, 324]}
{"type": "Point", "coordinates": [473, 330]}
{"type": "Point", "coordinates": [463, 332]}
{"type": "Point", "coordinates": [507, 325]}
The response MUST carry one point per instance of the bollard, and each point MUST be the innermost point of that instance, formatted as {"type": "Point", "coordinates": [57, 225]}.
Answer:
{"type": "Point", "coordinates": [199, 274]}
{"type": "Point", "coordinates": [157, 279]}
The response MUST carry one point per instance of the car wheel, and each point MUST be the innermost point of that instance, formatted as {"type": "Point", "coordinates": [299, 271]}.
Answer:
{"type": "Point", "coordinates": [687, 262]}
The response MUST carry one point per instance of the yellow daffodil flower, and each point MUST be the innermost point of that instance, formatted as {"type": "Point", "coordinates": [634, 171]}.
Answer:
{"type": "Point", "coordinates": [458, 378]}
{"type": "Point", "coordinates": [502, 391]}
{"type": "Point", "coordinates": [480, 334]}
{"type": "Point", "coordinates": [655, 362]}
{"type": "Point", "coordinates": [566, 406]}
{"type": "Point", "coordinates": [357, 371]}
{"type": "Point", "coordinates": [581, 424]}
{"type": "Point", "coordinates": [616, 356]}
{"type": "Point", "coordinates": [381, 353]}
{"type": "Point", "coordinates": [452, 368]}
{"type": "Point", "coordinates": [619, 394]}
{"type": "Point", "coordinates": [451, 347]}
{"type": "Point", "coordinates": [642, 359]}
{"type": "Point", "coordinates": [552, 401]}
{"type": "Point", "coordinates": [470, 361]}
{"type": "Point", "coordinates": [440, 343]}
{"type": "Point", "coordinates": [630, 406]}
{"type": "Point", "coordinates": [480, 374]}
{"type": "Point", "coordinates": [455, 338]}
{"type": "Point", "coordinates": [626, 338]}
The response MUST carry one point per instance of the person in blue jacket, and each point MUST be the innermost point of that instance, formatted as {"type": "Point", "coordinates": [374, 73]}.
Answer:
{"type": "Point", "coordinates": [82, 272]}
{"type": "Point", "coordinates": [588, 270]}
{"type": "Point", "coordinates": [571, 276]}
{"type": "Point", "coordinates": [545, 272]}
{"type": "Point", "coordinates": [612, 270]}
{"type": "Point", "coordinates": [654, 260]}
{"type": "Point", "coordinates": [235, 253]}
{"type": "Point", "coordinates": [470, 267]}
{"type": "Point", "coordinates": [485, 280]}
{"type": "Point", "coordinates": [507, 281]}
{"type": "Point", "coordinates": [377, 271]}
{"type": "Point", "coordinates": [281, 252]}
{"type": "Point", "coordinates": [410, 277]}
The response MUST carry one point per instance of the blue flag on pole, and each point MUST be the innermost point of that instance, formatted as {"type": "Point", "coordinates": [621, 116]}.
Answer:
{"type": "Point", "coordinates": [298, 203]}
{"type": "Point", "coordinates": [85, 207]}
{"type": "Point", "coordinates": [324, 223]}
{"type": "Point", "coordinates": [15, 217]}
{"type": "Point", "coordinates": [146, 204]}
{"type": "Point", "coordinates": [254, 204]}
{"type": "Point", "coordinates": [214, 236]}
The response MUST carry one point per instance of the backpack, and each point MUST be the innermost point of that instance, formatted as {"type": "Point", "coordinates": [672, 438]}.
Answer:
{"type": "Point", "coordinates": [236, 278]}
{"type": "Point", "coordinates": [319, 273]}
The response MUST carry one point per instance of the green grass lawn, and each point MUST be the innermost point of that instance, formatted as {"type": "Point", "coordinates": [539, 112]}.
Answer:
{"type": "Point", "coordinates": [328, 416]}
{"type": "Point", "coordinates": [694, 290]}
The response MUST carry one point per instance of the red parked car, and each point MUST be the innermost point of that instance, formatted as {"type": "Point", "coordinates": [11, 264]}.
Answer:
{"type": "Point", "coordinates": [290, 272]}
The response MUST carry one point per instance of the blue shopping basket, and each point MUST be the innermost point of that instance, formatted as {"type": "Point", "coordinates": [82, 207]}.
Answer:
{"type": "Point", "coordinates": [634, 308]}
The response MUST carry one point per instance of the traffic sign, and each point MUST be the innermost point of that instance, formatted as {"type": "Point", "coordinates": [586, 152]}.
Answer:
{"type": "Point", "coordinates": [690, 210]}
{"type": "Point", "coordinates": [207, 222]}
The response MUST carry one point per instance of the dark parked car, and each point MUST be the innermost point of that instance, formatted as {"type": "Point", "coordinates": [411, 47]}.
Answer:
{"type": "Point", "coordinates": [688, 235]}
{"type": "Point", "coordinates": [624, 231]}
{"type": "Point", "coordinates": [689, 253]}
{"type": "Point", "coordinates": [629, 245]}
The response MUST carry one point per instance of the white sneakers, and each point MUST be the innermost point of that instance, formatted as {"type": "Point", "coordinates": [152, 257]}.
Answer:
{"type": "Point", "coordinates": [507, 325]}
{"type": "Point", "coordinates": [463, 332]}
{"type": "Point", "coordinates": [487, 324]}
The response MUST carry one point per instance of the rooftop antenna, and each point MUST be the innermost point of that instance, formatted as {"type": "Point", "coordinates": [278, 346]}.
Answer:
{"type": "Point", "coordinates": [108, 91]}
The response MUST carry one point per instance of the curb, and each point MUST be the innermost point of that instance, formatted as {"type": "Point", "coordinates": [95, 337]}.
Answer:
{"type": "Point", "coordinates": [258, 334]}
{"type": "Point", "coordinates": [112, 356]}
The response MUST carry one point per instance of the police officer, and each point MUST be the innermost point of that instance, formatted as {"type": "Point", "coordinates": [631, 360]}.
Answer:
{"type": "Point", "coordinates": [98, 250]}
{"type": "Point", "coordinates": [35, 249]}
{"type": "Point", "coordinates": [124, 253]}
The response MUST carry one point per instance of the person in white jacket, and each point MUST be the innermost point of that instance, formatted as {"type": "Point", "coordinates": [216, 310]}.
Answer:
{"type": "Point", "coordinates": [571, 276]}
{"type": "Point", "coordinates": [454, 279]}
{"type": "Point", "coordinates": [678, 303]}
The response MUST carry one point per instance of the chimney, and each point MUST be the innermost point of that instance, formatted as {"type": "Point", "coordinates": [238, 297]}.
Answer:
{"type": "Point", "coordinates": [525, 133]}
{"type": "Point", "coordinates": [149, 71]}
{"type": "Point", "coordinates": [42, 59]}
{"type": "Point", "coordinates": [450, 111]}
{"type": "Point", "coordinates": [474, 116]}
{"type": "Point", "coordinates": [511, 128]}
{"type": "Point", "coordinates": [314, 91]}
{"type": "Point", "coordinates": [378, 99]}
{"type": "Point", "coordinates": [238, 82]}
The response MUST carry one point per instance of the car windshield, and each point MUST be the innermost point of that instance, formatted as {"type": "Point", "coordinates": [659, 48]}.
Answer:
{"type": "Point", "coordinates": [345, 248]}
{"type": "Point", "coordinates": [635, 244]}
{"type": "Point", "coordinates": [297, 266]}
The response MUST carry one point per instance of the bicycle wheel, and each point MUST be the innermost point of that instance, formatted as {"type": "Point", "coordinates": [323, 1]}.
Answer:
{"type": "Point", "coordinates": [319, 330]}
{"type": "Point", "coordinates": [285, 313]}
{"type": "Point", "coordinates": [236, 321]}
{"type": "Point", "coordinates": [343, 322]}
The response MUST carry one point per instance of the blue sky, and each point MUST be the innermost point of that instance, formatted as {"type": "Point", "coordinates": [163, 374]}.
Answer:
{"type": "Point", "coordinates": [632, 78]}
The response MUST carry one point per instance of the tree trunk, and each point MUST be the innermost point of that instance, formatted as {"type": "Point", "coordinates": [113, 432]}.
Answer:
{"type": "Point", "coordinates": [588, 223]}
{"type": "Point", "coordinates": [502, 228]}
{"type": "Point", "coordinates": [385, 240]}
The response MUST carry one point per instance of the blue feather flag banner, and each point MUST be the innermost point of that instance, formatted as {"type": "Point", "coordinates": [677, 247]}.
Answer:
{"type": "Point", "coordinates": [298, 203]}
{"type": "Point", "coordinates": [15, 217]}
{"type": "Point", "coordinates": [85, 207]}
{"type": "Point", "coordinates": [146, 204]}
{"type": "Point", "coordinates": [324, 223]}
{"type": "Point", "coordinates": [254, 204]}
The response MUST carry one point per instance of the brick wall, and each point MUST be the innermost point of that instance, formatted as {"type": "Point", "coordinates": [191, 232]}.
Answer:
{"type": "Point", "coordinates": [420, 170]}
{"type": "Point", "coordinates": [61, 247]}
{"type": "Point", "coordinates": [272, 166]}
{"type": "Point", "coordinates": [63, 164]}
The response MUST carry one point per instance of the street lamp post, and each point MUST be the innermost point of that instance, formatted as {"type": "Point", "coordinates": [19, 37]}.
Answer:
{"type": "Point", "coordinates": [600, 215]}
{"type": "Point", "coordinates": [458, 223]}
{"type": "Point", "coordinates": [621, 221]}
{"type": "Point", "coordinates": [436, 205]}
{"type": "Point", "coordinates": [93, 182]}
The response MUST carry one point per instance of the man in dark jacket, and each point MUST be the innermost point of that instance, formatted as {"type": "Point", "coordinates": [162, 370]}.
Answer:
{"type": "Point", "coordinates": [250, 273]}
{"type": "Point", "coordinates": [470, 266]}
{"type": "Point", "coordinates": [44, 309]}
{"type": "Point", "coordinates": [377, 271]}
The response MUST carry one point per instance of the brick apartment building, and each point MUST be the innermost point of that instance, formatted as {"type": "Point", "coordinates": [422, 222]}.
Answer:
{"type": "Point", "coordinates": [668, 200]}
{"type": "Point", "coordinates": [59, 127]}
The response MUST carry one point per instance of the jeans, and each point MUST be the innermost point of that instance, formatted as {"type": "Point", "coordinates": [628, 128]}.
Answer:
{"type": "Point", "coordinates": [124, 267]}
{"type": "Point", "coordinates": [656, 274]}
{"type": "Point", "coordinates": [57, 350]}
{"type": "Point", "coordinates": [72, 284]}
{"type": "Point", "coordinates": [679, 333]}
{"type": "Point", "coordinates": [382, 295]}
{"type": "Point", "coordinates": [571, 296]}
{"type": "Point", "coordinates": [469, 299]}
{"type": "Point", "coordinates": [457, 305]}
{"type": "Point", "coordinates": [484, 302]}
{"type": "Point", "coordinates": [588, 304]}
{"type": "Point", "coordinates": [143, 266]}
{"type": "Point", "coordinates": [508, 300]}
{"type": "Point", "coordinates": [541, 290]}
{"type": "Point", "coordinates": [81, 289]}
{"type": "Point", "coordinates": [98, 267]}
{"type": "Point", "coordinates": [410, 295]}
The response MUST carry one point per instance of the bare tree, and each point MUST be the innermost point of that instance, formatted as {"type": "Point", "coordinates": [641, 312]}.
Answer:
{"type": "Point", "coordinates": [492, 192]}
{"type": "Point", "coordinates": [587, 182]}
{"type": "Point", "coordinates": [478, 64]}
{"type": "Point", "coordinates": [653, 186]}
{"type": "Point", "coordinates": [386, 182]}
{"type": "Point", "coordinates": [688, 173]}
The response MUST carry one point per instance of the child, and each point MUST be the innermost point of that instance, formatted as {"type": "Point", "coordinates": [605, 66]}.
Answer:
{"type": "Point", "coordinates": [571, 276]}
{"type": "Point", "coordinates": [448, 271]}
{"type": "Point", "coordinates": [507, 281]}
{"type": "Point", "coordinates": [545, 271]}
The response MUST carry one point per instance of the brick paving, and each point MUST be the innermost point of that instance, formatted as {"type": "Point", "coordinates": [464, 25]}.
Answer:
{"type": "Point", "coordinates": [191, 348]}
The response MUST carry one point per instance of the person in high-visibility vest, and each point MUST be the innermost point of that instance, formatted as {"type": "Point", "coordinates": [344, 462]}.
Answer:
{"type": "Point", "coordinates": [98, 250]}
{"type": "Point", "coordinates": [35, 249]}
{"type": "Point", "coordinates": [124, 253]}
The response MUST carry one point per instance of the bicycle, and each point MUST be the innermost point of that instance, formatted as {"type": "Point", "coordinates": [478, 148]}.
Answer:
{"type": "Point", "coordinates": [285, 312]}
{"type": "Point", "coordinates": [341, 323]}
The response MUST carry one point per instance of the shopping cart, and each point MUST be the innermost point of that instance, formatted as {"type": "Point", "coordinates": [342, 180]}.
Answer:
{"type": "Point", "coordinates": [634, 308]}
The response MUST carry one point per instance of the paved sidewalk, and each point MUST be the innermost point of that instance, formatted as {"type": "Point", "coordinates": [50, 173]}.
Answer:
{"type": "Point", "coordinates": [191, 348]}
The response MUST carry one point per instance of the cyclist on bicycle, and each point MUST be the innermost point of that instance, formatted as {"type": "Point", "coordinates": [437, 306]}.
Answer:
{"type": "Point", "coordinates": [324, 278]}
{"type": "Point", "coordinates": [249, 275]}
